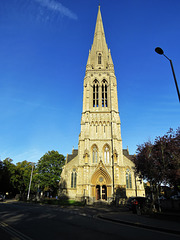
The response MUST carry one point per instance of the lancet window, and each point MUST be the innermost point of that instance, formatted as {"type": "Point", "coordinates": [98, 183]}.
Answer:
{"type": "Point", "coordinates": [106, 154]}
{"type": "Point", "coordinates": [95, 94]}
{"type": "Point", "coordinates": [73, 178]}
{"type": "Point", "coordinates": [104, 94]}
{"type": "Point", "coordinates": [99, 58]}
{"type": "Point", "coordinates": [94, 154]}
{"type": "Point", "coordinates": [128, 179]}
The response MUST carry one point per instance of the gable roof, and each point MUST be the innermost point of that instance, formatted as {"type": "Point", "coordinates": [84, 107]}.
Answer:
{"type": "Point", "coordinates": [71, 156]}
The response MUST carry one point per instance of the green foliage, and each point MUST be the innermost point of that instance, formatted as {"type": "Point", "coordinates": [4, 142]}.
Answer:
{"type": "Point", "coordinates": [22, 177]}
{"type": "Point", "coordinates": [49, 170]}
{"type": "Point", "coordinates": [159, 162]}
{"type": "Point", "coordinates": [15, 178]}
{"type": "Point", "coordinates": [1, 172]}
{"type": "Point", "coordinates": [7, 172]}
{"type": "Point", "coordinates": [63, 202]}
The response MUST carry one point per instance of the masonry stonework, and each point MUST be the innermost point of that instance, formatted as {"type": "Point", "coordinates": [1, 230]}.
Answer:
{"type": "Point", "coordinates": [100, 169]}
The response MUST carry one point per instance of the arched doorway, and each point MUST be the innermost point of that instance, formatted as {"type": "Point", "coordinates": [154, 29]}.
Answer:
{"type": "Point", "coordinates": [98, 193]}
{"type": "Point", "coordinates": [101, 192]}
{"type": "Point", "coordinates": [101, 187]}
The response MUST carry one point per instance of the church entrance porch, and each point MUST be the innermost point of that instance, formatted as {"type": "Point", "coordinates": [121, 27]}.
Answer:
{"type": "Point", "coordinates": [101, 192]}
{"type": "Point", "coordinates": [101, 184]}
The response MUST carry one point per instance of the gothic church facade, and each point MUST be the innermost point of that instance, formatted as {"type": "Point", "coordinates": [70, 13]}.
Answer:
{"type": "Point", "coordinates": [100, 166]}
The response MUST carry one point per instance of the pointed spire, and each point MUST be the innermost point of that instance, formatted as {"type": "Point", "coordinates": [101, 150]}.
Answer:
{"type": "Point", "coordinates": [99, 29]}
{"type": "Point", "coordinates": [99, 55]}
{"type": "Point", "coordinates": [99, 47]}
{"type": "Point", "coordinates": [99, 42]}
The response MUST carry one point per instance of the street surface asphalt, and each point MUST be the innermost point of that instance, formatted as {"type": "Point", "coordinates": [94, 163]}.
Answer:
{"type": "Point", "coordinates": [26, 221]}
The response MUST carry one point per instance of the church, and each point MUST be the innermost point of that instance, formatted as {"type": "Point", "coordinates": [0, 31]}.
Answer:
{"type": "Point", "coordinates": [100, 170]}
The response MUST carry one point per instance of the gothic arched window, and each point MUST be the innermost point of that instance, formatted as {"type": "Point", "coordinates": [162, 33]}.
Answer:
{"type": "Point", "coordinates": [73, 178]}
{"type": "Point", "coordinates": [104, 94]}
{"type": "Point", "coordinates": [94, 154]}
{"type": "Point", "coordinates": [106, 154]}
{"type": "Point", "coordinates": [128, 179]}
{"type": "Point", "coordinates": [95, 94]}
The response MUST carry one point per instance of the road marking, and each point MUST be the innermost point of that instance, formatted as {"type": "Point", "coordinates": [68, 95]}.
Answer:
{"type": "Point", "coordinates": [75, 212]}
{"type": "Point", "coordinates": [13, 232]}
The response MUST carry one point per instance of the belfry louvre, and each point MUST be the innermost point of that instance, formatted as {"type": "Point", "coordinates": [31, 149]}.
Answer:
{"type": "Point", "coordinates": [100, 169]}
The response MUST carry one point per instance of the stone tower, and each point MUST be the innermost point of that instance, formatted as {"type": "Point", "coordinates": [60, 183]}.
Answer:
{"type": "Point", "coordinates": [100, 169]}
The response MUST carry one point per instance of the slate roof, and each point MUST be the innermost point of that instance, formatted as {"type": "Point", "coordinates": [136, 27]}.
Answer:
{"type": "Point", "coordinates": [126, 153]}
{"type": "Point", "coordinates": [73, 155]}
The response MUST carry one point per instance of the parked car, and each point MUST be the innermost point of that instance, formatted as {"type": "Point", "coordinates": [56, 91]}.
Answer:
{"type": "Point", "coordinates": [130, 202]}
{"type": "Point", "coordinates": [137, 202]}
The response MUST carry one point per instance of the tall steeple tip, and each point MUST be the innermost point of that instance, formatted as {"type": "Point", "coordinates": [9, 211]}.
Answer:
{"type": "Point", "coordinates": [99, 55]}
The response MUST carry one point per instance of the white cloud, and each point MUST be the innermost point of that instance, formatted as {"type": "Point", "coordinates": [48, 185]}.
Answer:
{"type": "Point", "coordinates": [58, 7]}
{"type": "Point", "coordinates": [32, 155]}
{"type": "Point", "coordinates": [32, 104]}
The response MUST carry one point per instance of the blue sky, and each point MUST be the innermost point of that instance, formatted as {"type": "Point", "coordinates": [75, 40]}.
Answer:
{"type": "Point", "coordinates": [44, 46]}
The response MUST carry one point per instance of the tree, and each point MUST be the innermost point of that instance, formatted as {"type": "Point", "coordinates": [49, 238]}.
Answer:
{"type": "Point", "coordinates": [22, 177]}
{"type": "Point", "coordinates": [172, 152]}
{"type": "Point", "coordinates": [166, 153]}
{"type": "Point", "coordinates": [1, 177]}
{"type": "Point", "coordinates": [7, 171]}
{"type": "Point", "coordinates": [49, 169]}
{"type": "Point", "coordinates": [14, 178]}
{"type": "Point", "coordinates": [1, 169]}
{"type": "Point", "coordinates": [159, 162]}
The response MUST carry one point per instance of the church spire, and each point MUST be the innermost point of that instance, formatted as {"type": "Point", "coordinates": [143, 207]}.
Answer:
{"type": "Point", "coordinates": [99, 55]}
{"type": "Point", "coordinates": [99, 29]}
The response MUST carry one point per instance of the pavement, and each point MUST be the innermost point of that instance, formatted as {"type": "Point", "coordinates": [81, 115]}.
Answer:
{"type": "Point", "coordinates": [165, 222]}
{"type": "Point", "coordinates": [168, 222]}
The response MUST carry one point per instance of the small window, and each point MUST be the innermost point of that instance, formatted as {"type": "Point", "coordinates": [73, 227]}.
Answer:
{"type": "Point", "coordinates": [99, 59]}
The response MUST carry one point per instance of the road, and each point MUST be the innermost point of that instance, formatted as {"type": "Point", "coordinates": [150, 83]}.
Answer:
{"type": "Point", "coordinates": [21, 221]}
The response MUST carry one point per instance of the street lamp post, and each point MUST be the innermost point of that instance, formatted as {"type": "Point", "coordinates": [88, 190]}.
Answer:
{"type": "Point", "coordinates": [30, 182]}
{"type": "Point", "coordinates": [161, 52]}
